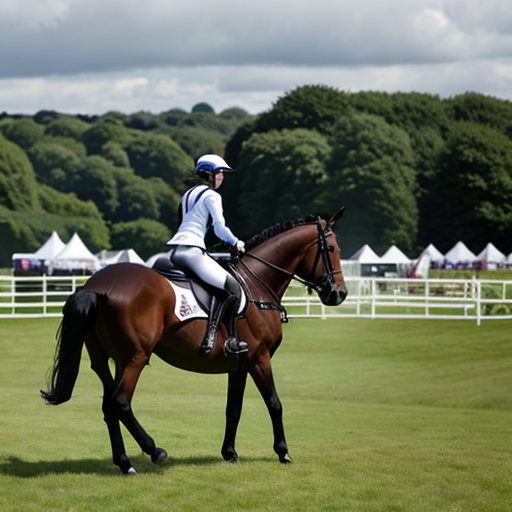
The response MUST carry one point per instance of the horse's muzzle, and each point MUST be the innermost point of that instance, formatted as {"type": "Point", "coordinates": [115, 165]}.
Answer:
{"type": "Point", "coordinates": [332, 296]}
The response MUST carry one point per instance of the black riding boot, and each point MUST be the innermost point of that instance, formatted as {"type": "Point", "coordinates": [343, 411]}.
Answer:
{"type": "Point", "coordinates": [217, 308]}
{"type": "Point", "coordinates": [233, 344]}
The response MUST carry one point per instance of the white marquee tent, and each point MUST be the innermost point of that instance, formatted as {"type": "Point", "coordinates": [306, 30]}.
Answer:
{"type": "Point", "coordinates": [435, 255]}
{"type": "Point", "coordinates": [459, 253]}
{"type": "Point", "coordinates": [123, 256]}
{"type": "Point", "coordinates": [75, 256]}
{"type": "Point", "coordinates": [50, 248]}
{"type": "Point", "coordinates": [491, 254]}
{"type": "Point", "coordinates": [365, 255]}
{"type": "Point", "coordinates": [394, 255]}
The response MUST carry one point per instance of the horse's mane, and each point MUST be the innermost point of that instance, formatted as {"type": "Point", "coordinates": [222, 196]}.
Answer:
{"type": "Point", "coordinates": [279, 228]}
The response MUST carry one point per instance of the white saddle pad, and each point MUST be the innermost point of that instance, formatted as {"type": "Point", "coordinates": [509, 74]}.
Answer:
{"type": "Point", "coordinates": [186, 306]}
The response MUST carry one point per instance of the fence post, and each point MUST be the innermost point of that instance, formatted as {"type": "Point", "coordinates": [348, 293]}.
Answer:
{"type": "Point", "coordinates": [478, 302]}
{"type": "Point", "coordinates": [45, 295]}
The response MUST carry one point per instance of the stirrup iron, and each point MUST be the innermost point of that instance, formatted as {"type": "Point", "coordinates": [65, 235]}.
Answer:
{"type": "Point", "coordinates": [235, 346]}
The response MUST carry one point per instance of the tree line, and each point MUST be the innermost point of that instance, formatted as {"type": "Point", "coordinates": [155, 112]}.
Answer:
{"type": "Point", "coordinates": [411, 168]}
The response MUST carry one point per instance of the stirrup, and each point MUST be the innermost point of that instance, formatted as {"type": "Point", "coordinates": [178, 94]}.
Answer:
{"type": "Point", "coordinates": [235, 346]}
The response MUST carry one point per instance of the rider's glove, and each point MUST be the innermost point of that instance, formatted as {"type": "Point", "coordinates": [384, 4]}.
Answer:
{"type": "Point", "coordinates": [240, 246]}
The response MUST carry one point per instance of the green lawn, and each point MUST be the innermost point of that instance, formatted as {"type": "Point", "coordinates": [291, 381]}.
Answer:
{"type": "Point", "coordinates": [380, 415]}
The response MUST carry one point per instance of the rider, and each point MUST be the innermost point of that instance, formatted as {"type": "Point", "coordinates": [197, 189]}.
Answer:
{"type": "Point", "coordinates": [198, 205]}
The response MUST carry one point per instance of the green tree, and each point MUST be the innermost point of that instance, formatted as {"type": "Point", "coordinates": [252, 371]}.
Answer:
{"type": "Point", "coordinates": [371, 172]}
{"type": "Point", "coordinates": [67, 204]}
{"type": "Point", "coordinates": [167, 200]}
{"type": "Point", "coordinates": [16, 236]}
{"type": "Point", "coordinates": [24, 132]}
{"type": "Point", "coordinates": [203, 108]}
{"type": "Point", "coordinates": [314, 107]}
{"type": "Point", "coordinates": [108, 129]}
{"type": "Point", "coordinates": [115, 154]}
{"type": "Point", "coordinates": [198, 141]}
{"type": "Point", "coordinates": [281, 175]}
{"type": "Point", "coordinates": [136, 197]}
{"type": "Point", "coordinates": [145, 236]}
{"type": "Point", "coordinates": [96, 182]}
{"type": "Point", "coordinates": [153, 155]}
{"type": "Point", "coordinates": [55, 165]}
{"type": "Point", "coordinates": [143, 121]}
{"type": "Point", "coordinates": [478, 108]}
{"type": "Point", "coordinates": [471, 196]}
{"type": "Point", "coordinates": [18, 186]}
{"type": "Point", "coordinates": [68, 127]}
{"type": "Point", "coordinates": [235, 114]}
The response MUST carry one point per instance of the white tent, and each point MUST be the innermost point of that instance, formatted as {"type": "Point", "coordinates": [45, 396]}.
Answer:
{"type": "Point", "coordinates": [491, 255]}
{"type": "Point", "coordinates": [365, 255]}
{"type": "Point", "coordinates": [50, 248]}
{"type": "Point", "coordinates": [394, 255]}
{"type": "Point", "coordinates": [435, 255]}
{"type": "Point", "coordinates": [459, 253]}
{"type": "Point", "coordinates": [75, 256]}
{"type": "Point", "coordinates": [128, 256]}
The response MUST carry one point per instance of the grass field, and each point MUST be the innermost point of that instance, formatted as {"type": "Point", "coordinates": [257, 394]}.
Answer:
{"type": "Point", "coordinates": [380, 415]}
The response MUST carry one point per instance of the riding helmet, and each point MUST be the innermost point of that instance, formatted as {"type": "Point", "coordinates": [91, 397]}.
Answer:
{"type": "Point", "coordinates": [212, 164]}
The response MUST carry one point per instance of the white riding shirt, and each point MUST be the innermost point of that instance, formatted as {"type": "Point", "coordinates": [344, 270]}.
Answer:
{"type": "Point", "coordinates": [198, 204]}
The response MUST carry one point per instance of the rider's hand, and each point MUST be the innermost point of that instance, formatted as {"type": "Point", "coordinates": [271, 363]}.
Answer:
{"type": "Point", "coordinates": [240, 246]}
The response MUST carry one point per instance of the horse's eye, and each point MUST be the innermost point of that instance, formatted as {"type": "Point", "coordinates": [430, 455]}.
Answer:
{"type": "Point", "coordinates": [330, 248]}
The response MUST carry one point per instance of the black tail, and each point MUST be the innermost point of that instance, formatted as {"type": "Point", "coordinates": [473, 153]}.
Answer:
{"type": "Point", "coordinates": [79, 310]}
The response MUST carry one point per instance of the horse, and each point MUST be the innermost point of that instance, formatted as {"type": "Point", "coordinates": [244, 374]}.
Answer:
{"type": "Point", "coordinates": [126, 312]}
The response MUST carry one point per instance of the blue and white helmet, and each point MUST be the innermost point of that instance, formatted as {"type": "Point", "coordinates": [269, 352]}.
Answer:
{"type": "Point", "coordinates": [212, 164]}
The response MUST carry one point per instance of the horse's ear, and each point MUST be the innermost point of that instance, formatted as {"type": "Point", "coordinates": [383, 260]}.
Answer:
{"type": "Point", "coordinates": [337, 216]}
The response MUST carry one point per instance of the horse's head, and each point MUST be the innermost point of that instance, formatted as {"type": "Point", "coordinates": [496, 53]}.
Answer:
{"type": "Point", "coordinates": [321, 265]}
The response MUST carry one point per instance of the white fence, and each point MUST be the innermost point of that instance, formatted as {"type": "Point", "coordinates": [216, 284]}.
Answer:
{"type": "Point", "coordinates": [24, 297]}
{"type": "Point", "coordinates": [452, 299]}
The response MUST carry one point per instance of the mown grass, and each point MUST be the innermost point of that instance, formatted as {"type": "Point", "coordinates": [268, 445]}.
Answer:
{"type": "Point", "coordinates": [380, 415]}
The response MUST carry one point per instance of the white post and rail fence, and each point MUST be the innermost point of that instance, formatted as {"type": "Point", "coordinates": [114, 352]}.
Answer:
{"type": "Point", "coordinates": [399, 298]}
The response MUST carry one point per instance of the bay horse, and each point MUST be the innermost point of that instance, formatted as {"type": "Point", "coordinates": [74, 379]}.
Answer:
{"type": "Point", "coordinates": [126, 312]}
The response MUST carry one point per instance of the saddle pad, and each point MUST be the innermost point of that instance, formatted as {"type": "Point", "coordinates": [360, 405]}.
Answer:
{"type": "Point", "coordinates": [186, 306]}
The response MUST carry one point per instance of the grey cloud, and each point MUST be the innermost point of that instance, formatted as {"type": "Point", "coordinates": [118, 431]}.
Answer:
{"type": "Point", "coordinates": [73, 37]}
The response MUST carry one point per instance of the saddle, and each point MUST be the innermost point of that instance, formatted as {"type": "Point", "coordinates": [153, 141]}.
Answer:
{"type": "Point", "coordinates": [202, 292]}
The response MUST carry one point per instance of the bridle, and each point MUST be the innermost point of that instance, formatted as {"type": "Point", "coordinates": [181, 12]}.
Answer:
{"type": "Point", "coordinates": [323, 250]}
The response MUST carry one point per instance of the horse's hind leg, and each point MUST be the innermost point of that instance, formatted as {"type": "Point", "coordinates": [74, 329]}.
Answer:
{"type": "Point", "coordinates": [99, 363]}
{"type": "Point", "coordinates": [120, 401]}
{"type": "Point", "coordinates": [117, 407]}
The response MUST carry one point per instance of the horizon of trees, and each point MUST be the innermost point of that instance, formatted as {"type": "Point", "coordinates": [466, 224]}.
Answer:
{"type": "Point", "coordinates": [411, 168]}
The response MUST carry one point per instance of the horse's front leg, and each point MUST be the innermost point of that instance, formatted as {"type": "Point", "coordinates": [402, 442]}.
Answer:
{"type": "Point", "coordinates": [262, 375]}
{"type": "Point", "coordinates": [236, 389]}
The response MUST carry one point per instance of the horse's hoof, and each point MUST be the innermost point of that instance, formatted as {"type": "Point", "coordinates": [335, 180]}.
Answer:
{"type": "Point", "coordinates": [231, 457]}
{"type": "Point", "coordinates": [285, 459]}
{"type": "Point", "coordinates": [131, 471]}
{"type": "Point", "coordinates": [158, 456]}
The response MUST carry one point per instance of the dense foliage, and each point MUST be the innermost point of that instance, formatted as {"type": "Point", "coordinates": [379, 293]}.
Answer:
{"type": "Point", "coordinates": [115, 179]}
{"type": "Point", "coordinates": [411, 168]}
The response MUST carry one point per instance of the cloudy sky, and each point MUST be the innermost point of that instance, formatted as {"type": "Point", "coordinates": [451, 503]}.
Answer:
{"type": "Point", "coordinates": [94, 56]}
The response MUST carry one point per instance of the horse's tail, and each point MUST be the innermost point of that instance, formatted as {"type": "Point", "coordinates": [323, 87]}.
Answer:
{"type": "Point", "coordinates": [78, 313]}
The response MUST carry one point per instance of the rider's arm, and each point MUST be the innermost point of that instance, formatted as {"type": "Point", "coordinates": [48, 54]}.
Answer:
{"type": "Point", "coordinates": [214, 203]}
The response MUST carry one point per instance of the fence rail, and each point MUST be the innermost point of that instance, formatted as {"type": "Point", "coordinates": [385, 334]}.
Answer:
{"type": "Point", "coordinates": [478, 300]}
